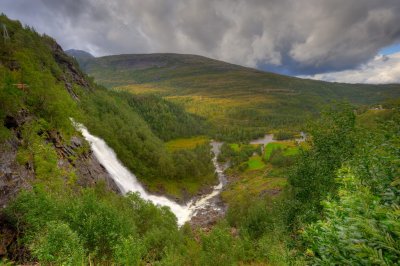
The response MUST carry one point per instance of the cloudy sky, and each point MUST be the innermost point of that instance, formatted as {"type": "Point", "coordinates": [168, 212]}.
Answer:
{"type": "Point", "coordinates": [336, 40]}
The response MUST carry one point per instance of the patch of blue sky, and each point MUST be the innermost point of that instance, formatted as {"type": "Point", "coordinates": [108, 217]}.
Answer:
{"type": "Point", "coordinates": [391, 49]}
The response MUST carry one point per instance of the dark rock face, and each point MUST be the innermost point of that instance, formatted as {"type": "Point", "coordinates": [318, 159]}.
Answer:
{"type": "Point", "coordinates": [15, 121]}
{"type": "Point", "coordinates": [13, 176]}
{"type": "Point", "coordinates": [71, 73]}
{"type": "Point", "coordinates": [78, 155]}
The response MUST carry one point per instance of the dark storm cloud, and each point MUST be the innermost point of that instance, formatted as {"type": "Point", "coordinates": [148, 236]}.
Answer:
{"type": "Point", "coordinates": [309, 36]}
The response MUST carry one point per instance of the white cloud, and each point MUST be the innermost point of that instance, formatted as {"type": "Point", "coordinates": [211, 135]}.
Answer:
{"type": "Point", "coordinates": [381, 69]}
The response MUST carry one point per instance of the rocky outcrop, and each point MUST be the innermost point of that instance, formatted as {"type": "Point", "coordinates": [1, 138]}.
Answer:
{"type": "Point", "coordinates": [71, 73]}
{"type": "Point", "coordinates": [78, 155]}
{"type": "Point", "coordinates": [13, 176]}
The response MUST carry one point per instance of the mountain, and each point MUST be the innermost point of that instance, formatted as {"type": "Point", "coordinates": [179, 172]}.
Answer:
{"type": "Point", "coordinates": [79, 54]}
{"type": "Point", "coordinates": [233, 98]}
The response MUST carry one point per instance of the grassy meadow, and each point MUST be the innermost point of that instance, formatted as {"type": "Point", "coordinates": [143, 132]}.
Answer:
{"type": "Point", "coordinates": [186, 143]}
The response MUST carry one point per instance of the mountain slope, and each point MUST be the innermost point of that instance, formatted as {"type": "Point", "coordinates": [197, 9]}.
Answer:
{"type": "Point", "coordinates": [232, 97]}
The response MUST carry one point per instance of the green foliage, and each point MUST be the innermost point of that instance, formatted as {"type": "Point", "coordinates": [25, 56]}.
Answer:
{"type": "Point", "coordinates": [255, 162]}
{"type": "Point", "coordinates": [278, 158]}
{"type": "Point", "coordinates": [220, 248]}
{"type": "Point", "coordinates": [58, 244]}
{"type": "Point", "coordinates": [239, 155]}
{"type": "Point", "coordinates": [27, 59]}
{"type": "Point", "coordinates": [166, 119]}
{"type": "Point", "coordinates": [186, 143]}
{"type": "Point", "coordinates": [93, 224]}
{"type": "Point", "coordinates": [361, 225]}
{"type": "Point", "coordinates": [270, 147]}
{"type": "Point", "coordinates": [313, 176]}
{"type": "Point", "coordinates": [129, 251]}
{"type": "Point", "coordinates": [356, 229]}
{"type": "Point", "coordinates": [122, 128]}
{"type": "Point", "coordinates": [193, 163]}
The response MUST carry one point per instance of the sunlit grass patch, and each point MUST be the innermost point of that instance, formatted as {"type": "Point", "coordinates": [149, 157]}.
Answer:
{"type": "Point", "coordinates": [235, 147]}
{"type": "Point", "coordinates": [255, 162]}
{"type": "Point", "coordinates": [270, 147]}
{"type": "Point", "coordinates": [291, 151]}
{"type": "Point", "coordinates": [289, 148]}
{"type": "Point", "coordinates": [210, 107]}
{"type": "Point", "coordinates": [187, 143]}
{"type": "Point", "coordinates": [140, 89]}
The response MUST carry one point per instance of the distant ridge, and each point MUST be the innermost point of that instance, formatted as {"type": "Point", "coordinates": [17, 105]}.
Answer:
{"type": "Point", "coordinates": [79, 54]}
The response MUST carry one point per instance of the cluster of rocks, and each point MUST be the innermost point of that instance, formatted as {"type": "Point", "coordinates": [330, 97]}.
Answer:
{"type": "Point", "coordinates": [207, 218]}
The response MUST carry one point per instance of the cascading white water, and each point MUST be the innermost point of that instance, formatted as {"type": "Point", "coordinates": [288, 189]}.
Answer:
{"type": "Point", "coordinates": [127, 181]}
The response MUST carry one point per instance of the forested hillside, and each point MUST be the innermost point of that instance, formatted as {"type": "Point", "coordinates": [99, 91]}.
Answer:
{"type": "Point", "coordinates": [241, 103]}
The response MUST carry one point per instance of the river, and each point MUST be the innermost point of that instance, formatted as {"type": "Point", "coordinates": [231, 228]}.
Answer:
{"type": "Point", "coordinates": [209, 204]}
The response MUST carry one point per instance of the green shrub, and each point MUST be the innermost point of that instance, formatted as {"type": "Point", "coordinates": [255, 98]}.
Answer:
{"type": "Point", "coordinates": [219, 248]}
{"type": "Point", "coordinates": [129, 251]}
{"type": "Point", "coordinates": [357, 229]}
{"type": "Point", "coordinates": [279, 159]}
{"type": "Point", "coordinates": [58, 244]}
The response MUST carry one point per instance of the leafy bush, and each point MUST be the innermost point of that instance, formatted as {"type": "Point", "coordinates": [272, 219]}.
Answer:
{"type": "Point", "coordinates": [129, 251]}
{"type": "Point", "coordinates": [95, 224]}
{"type": "Point", "coordinates": [220, 248]}
{"type": "Point", "coordinates": [58, 244]}
{"type": "Point", "coordinates": [279, 159]}
{"type": "Point", "coordinates": [356, 229]}
{"type": "Point", "coordinates": [313, 175]}
{"type": "Point", "coordinates": [361, 226]}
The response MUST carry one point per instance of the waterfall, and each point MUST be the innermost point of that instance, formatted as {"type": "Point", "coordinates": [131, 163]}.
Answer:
{"type": "Point", "coordinates": [127, 181]}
